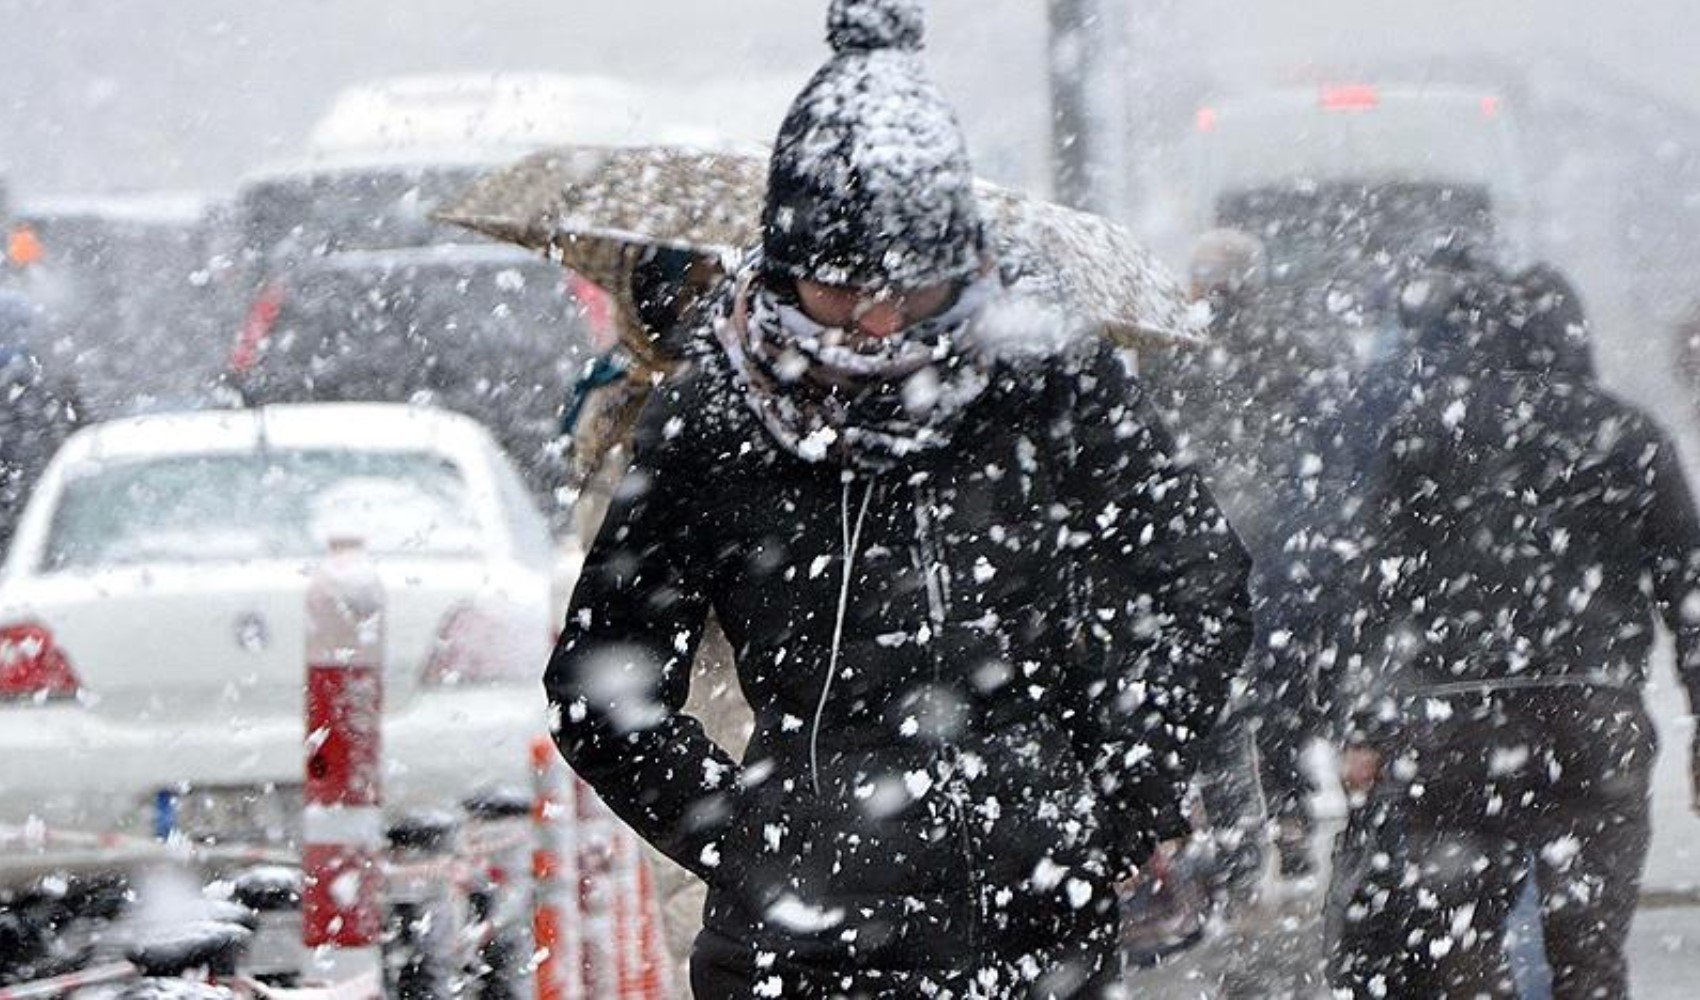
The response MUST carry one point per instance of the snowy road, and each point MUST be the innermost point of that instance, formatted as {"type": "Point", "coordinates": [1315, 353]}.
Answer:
{"type": "Point", "coordinates": [1664, 953]}
{"type": "Point", "coordinates": [1664, 956]}
{"type": "Point", "coordinates": [1673, 866]}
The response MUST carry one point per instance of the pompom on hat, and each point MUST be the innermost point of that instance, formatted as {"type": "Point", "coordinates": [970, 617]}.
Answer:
{"type": "Point", "coordinates": [870, 184]}
{"type": "Point", "coordinates": [865, 25]}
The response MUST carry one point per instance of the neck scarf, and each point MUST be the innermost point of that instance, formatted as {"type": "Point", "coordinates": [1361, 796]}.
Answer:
{"type": "Point", "coordinates": [828, 394]}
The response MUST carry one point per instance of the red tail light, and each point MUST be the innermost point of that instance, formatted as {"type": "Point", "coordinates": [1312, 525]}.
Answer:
{"type": "Point", "coordinates": [262, 316]}
{"type": "Point", "coordinates": [1356, 97]}
{"type": "Point", "coordinates": [1207, 119]}
{"type": "Point", "coordinates": [33, 667]}
{"type": "Point", "coordinates": [474, 647]}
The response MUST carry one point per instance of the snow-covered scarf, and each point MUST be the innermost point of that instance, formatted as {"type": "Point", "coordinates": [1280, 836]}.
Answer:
{"type": "Point", "coordinates": [827, 394]}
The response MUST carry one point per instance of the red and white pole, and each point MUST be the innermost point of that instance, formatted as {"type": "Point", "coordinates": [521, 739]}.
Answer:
{"type": "Point", "coordinates": [596, 833]}
{"type": "Point", "coordinates": [556, 927]}
{"type": "Point", "coordinates": [342, 827]}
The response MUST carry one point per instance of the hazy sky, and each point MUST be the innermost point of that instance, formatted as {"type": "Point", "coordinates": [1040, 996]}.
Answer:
{"type": "Point", "coordinates": [105, 94]}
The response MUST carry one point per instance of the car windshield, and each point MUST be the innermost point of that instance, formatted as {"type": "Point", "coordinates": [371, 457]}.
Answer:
{"type": "Point", "coordinates": [270, 505]}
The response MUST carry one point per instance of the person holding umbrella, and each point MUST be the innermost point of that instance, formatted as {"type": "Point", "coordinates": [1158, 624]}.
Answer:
{"type": "Point", "coordinates": [981, 615]}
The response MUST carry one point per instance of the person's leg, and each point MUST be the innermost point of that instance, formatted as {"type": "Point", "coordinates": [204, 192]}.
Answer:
{"type": "Point", "coordinates": [718, 971]}
{"type": "Point", "coordinates": [1420, 912]}
{"type": "Point", "coordinates": [1227, 786]}
{"type": "Point", "coordinates": [1361, 915]}
{"type": "Point", "coordinates": [1287, 789]}
{"type": "Point", "coordinates": [1465, 888]}
{"type": "Point", "coordinates": [1592, 842]}
{"type": "Point", "coordinates": [1590, 877]}
{"type": "Point", "coordinates": [1283, 725]}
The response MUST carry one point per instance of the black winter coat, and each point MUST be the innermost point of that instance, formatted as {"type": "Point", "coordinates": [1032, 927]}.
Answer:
{"type": "Point", "coordinates": [1527, 530]}
{"type": "Point", "coordinates": [978, 679]}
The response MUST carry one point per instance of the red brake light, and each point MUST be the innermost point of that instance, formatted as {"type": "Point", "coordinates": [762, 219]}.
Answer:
{"type": "Point", "coordinates": [256, 327]}
{"type": "Point", "coordinates": [33, 667]}
{"type": "Point", "coordinates": [1207, 119]}
{"type": "Point", "coordinates": [473, 648]}
{"type": "Point", "coordinates": [1354, 97]}
{"type": "Point", "coordinates": [1490, 107]}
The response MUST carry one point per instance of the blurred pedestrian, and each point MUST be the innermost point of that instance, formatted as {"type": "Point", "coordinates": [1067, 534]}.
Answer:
{"type": "Point", "coordinates": [1525, 535]}
{"type": "Point", "coordinates": [981, 614]}
{"type": "Point", "coordinates": [657, 295]}
{"type": "Point", "coordinates": [1248, 406]}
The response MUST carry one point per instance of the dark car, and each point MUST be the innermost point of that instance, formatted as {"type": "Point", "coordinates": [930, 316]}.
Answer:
{"type": "Point", "coordinates": [296, 212]}
{"type": "Point", "coordinates": [117, 279]}
{"type": "Point", "coordinates": [489, 331]}
{"type": "Point", "coordinates": [283, 217]}
{"type": "Point", "coordinates": [341, 287]}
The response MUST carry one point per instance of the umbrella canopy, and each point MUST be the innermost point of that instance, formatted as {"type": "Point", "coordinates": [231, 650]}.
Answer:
{"type": "Point", "coordinates": [599, 210]}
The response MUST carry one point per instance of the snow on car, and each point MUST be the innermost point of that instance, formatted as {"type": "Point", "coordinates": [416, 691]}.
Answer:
{"type": "Point", "coordinates": [152, 614]}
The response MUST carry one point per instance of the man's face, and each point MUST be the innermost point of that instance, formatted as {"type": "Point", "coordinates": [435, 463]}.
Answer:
{"type": "Point", "coordinates": [875, 314]}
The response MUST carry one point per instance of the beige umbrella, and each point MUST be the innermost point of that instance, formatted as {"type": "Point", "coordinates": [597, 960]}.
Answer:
{"type": "Point", "coordinates": [598, 210]}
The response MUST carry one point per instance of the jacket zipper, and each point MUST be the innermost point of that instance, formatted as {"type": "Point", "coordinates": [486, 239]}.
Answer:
{"type": "Point", "coordinates": [933, 569]}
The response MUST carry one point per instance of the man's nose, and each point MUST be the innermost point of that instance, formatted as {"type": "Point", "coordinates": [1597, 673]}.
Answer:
{"type": "Point", "coordinates": [881, 320]}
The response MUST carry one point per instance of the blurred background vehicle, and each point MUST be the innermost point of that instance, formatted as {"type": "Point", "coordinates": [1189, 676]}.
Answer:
{"type": "Point", "coordinates": [116, 278]}
{"type": "Point", "coordinates": [345, 290]}
{"type": "Point", "coordinates": [489, 331]}
{"type": "Point", "coordinates": [1351, 186]}
{"type": "Point", "coordinates": [285, 216]}
{"type": "Point", "coordinates": [151, 614]}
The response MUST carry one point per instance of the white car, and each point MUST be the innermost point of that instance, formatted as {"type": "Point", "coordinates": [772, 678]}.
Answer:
{"type": "Point", "coordinates": [152, 615]}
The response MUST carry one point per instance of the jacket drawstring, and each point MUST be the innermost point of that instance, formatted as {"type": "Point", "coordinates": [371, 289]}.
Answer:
{"type": "Point", "coordinates": [852, 538]}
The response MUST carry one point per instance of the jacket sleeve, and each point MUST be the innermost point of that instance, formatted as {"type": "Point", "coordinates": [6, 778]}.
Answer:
{"type": "Point", "coordinates": [620, 674]}
{"type": "Point", "coordinates": [1670, 535]}
{"type": "Point", "coordinates": [1161, 617]}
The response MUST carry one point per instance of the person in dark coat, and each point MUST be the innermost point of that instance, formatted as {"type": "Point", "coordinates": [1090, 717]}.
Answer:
{"type": "Point", "coordinates": [981, 614]}
{"type": "Point", "coordinates": [1526, 533]}
{"type": "Point", "coordinates": [1250, 405]}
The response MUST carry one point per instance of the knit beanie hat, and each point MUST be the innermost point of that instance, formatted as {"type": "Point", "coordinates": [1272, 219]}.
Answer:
{"type": "Point", "coordinates": [870, 184]}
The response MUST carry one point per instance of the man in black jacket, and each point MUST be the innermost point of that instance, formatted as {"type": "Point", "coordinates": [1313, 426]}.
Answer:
{"type": "Point", "coordinates": [1526, 533]}
{"type": "Point", "coordinates": [981, 615]}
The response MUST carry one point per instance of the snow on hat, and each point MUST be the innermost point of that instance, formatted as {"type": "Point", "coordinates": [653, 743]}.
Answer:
{"type": "Point", "coordinates": [870, 183]}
